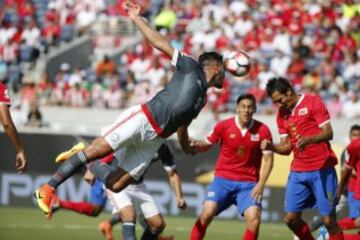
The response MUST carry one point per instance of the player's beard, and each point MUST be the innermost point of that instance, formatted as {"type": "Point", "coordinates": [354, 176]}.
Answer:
{"type": "Point", "coordinates": [218, 80]}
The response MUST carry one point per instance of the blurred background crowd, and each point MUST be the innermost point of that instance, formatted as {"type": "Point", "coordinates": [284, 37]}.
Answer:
{"type": "Point", "coordinates": [313, 43]}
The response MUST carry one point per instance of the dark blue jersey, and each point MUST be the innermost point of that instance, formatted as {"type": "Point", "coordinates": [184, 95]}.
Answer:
{"type": "Point", "coordinates": [181, 100]}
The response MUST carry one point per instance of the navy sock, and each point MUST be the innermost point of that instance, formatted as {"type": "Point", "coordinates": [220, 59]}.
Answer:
{"type": "Point", "coordinates": [101, 170]}
{"type": "Point", "coordinates": [150, 235]}
{"type": "Point", "coordinates": [67, 169]}
{"type": "Point", "coordinates": [128, 231]}
{"type": "Point", "coordinates": [115, 218]}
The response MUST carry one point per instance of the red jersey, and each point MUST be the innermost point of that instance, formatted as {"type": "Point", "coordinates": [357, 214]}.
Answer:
{"type": "Point", "coordinates": [240, 153]}
{"type": "Point", "coordinates": [4, 94]}
{"type": "Point", "coordinates": [306, 119]}
{"type": "Point", "coordinates": [353, 160]}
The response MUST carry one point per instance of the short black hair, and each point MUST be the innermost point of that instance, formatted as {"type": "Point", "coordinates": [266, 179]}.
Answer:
{"type": "Point", "coordinates": [354, 127]}
{"type": "Point", "coordinates": [246, 96]}
{"type": "Point", "coordinates": [279, 84]}
{"type": "Point", "coordinates": [210, 56]}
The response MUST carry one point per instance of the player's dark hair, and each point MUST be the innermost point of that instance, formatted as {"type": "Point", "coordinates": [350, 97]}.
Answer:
{"type": "Point", "coordinates": [246, 96]}
{"type": "Point", "coordinates": [354, 127]}
{"type": "Point", "coordinates": [207, 57]}
{"type": "Point", "coordinates": [279, 84]}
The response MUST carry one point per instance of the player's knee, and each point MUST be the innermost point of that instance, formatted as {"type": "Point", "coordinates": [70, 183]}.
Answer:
{"type": "Point", "coordinates": [158, 226]}
{"type": "Point", "coordinates": [96, 210]}
{"type": "Point", "coordinates": [254, 222]}
{"type": "Point", "coordinates": [290, 219]}
{"type": "Point", "coordinates": [206, 217]}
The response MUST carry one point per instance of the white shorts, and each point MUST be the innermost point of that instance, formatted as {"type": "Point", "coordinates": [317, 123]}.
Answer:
{"type": "Point", "coordinates": [133, 140]}
{"type": "Point", "coordinates": [136, 195]}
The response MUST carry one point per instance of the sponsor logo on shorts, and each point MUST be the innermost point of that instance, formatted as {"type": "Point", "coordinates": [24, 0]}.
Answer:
{"type": "Point", "coordinates": [114, 138]}
{"type": "Point", "coordinates": [211, 194]}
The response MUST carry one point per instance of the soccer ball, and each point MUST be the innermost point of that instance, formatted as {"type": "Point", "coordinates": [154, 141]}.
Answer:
{"type": "Point", "coordinates": [238, 63]}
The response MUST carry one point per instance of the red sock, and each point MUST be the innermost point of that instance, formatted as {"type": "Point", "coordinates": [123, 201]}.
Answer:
{"type": "Point", "coordinates": [80, 207]}
{"type": "Point", "coordinates": [303, 232]}
{"type": "Point", "coordinates": [249, 235]}
{"type": "Point", "coordinates": [347, 223]}
{"type": "Point", "coordinates": [337, 236]}
{"type": "Point", "coordinates": [198, 231]}
{"type": "Point", "coordinates": [351, 237]}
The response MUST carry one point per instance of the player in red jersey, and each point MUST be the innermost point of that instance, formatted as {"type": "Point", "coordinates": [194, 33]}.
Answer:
{"type": "Point", "coordinates": [304, 126]}
{"type": "Point", "coordinates": [352, 162]}
{"type": "Point", "coordinates": [10, 129]}
{"type": "Point", "coordinates": [237, 173]}
{"type": "Point", "coordinates": [346, 197]}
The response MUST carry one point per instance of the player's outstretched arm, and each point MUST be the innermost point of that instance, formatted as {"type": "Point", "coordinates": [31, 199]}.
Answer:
{"type": "Point", "coordinates": [175, 182]}
{"type": "Point", "coordinates": [258, 190]}
{"type": "Point", "coordinates": [11, 132]}
{"type": "Point", "coordinates": [183, 137]}
{"type": "Point", "coordinates": [154, 37]}
{"type": "Point", "coordinates": [283, 148]}
{"type": "Point", "coordinates": [345, 175]}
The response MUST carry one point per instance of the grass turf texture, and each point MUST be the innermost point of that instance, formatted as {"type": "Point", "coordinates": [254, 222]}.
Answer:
{"type": "Point", "coordinates": [29, 224]}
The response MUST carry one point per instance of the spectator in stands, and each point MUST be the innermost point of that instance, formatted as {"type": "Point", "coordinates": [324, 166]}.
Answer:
{"type": "Point", "coordinates": [113, 97]}
{"type": "Point", "coordinates": [351, 108]}
{"type": "Point", "coordinates": [105, 66]}
{"type": "Point", "coordinates": [34, 117]}
{"type": "Point", "coordinates": [334, 106]}
{"type": "Point", "coordinates": [77, 96]}
{"type": "Point", "coordinates": [280, 63]}
{"type": "Point", "coordinates": [9, 51]}
{"type": "Point", "coordinates": [85, 18]}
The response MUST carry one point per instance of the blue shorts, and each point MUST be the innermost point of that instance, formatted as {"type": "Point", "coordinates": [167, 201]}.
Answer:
{"type": "Point", "coordinates": [98, 195]}
{"type": "Point", "coordinates": [226, 192]}
{"type": "Point", "coordinates": [315, 189]}
{"type": "Point", "coordinates": [354, 206]}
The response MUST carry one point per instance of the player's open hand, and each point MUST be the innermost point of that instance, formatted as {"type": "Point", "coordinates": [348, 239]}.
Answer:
{"type": "Point", "coordinates": [132, 9]}
{"type": "Point", "coordinates": [20, 162]}
{"type": "Point", "coordinates": [257, 192]}
{"type": "Point", "coordinates": [181, 203]}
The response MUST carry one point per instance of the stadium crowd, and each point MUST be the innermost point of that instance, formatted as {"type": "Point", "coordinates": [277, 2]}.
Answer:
{"type": "Point", "coordinates": [315, 44]}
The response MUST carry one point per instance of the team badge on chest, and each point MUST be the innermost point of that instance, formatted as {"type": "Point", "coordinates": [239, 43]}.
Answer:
{"type": "Point", "coordinates": [241, 151]}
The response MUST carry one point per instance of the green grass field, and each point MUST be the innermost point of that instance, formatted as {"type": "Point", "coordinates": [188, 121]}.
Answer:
{"type": "Point", "coordinates": [29, 224]}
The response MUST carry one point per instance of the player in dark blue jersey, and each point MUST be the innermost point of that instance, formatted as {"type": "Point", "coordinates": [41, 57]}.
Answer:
{"type": "Point", "coordinates": [140, 130]}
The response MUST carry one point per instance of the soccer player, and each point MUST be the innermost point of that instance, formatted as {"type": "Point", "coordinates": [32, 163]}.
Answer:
{"type": "Point", "coordinates": [10, 129]}
{"type": "Point", "coordinates": [352, 163]}
{"type": "Point", "coordinates": [142, 129]}
{"type": "Point", "coordinates": [304, 126]}
{"type": "Point", "coordinates": [237, 172]}
{"type": "Point", "coordinates": [135, 199]}
{"type": "Point", "coordinates": [343, 201]}
{"type": "Point", "coordinates": [135, 196]}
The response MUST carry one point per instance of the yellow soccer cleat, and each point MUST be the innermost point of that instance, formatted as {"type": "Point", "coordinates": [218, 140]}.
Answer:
{"type": "Point", "coordinates": [67, 154]}
{"type": "Point", "coordinates": [44, 199]}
